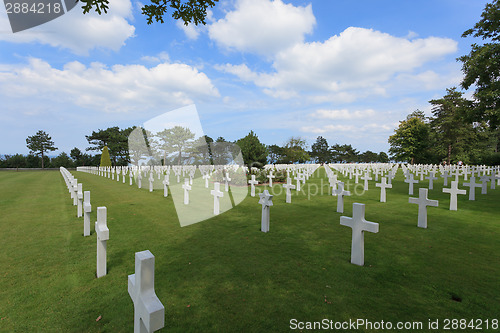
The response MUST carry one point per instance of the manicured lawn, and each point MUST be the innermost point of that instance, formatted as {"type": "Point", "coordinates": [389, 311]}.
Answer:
{"type": "Point", "coordinates": [224, 275]}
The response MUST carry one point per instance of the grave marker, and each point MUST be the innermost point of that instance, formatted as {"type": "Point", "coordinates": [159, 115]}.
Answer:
{"type": "Point", "coordinates": [266, 200]}
{"type": "Point", "coordinates": [289, 186]}
{"type": "Point", "coordinates": [383, 185]}
{"type": "Point", "coordinates": [422, 201]}
{"type": "Point", "coordinates": [359, 225]}
{"type": "Point", "coordinates": [252, 183]}
{"type": "Point", "coordinates": [87, 209]}
{"type": "Point", "coordinates": [149, 312]}
{"type": "Point", "coordinates": [340, 196]}
{"type": "Point", "coordinates": [186, 188]}
{"type": "Point", "coordinates": [217, 193]}
{"type": "Point", "coordinates": [102, 232]}
{"type": "Point", "coordinates": [453, 191]}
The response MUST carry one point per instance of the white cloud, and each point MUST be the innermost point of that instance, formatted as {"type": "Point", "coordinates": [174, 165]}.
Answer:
{"type": "Point", "coordinates": [78, 32]}
{"type": "Point", "coordinates": [343, 114]}
{"type": "Point", "coordinates": [263, 26]}
{"type": "Point", "coordinates": [120, 88]}
{"type": "Point", "coordinates": [192, 32]}
{"type": "Point", "coordinates": [354, 64]}
{"type": "Point", "coordinates": [355, 130]}
{"type": "Point", "coordinates": [161, 57]}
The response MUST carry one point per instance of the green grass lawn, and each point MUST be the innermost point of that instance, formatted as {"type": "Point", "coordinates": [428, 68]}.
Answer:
{"type": "Point", "coordinates": [224, 275]}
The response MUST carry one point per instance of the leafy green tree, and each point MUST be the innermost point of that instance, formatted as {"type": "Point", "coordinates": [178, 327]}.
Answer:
{"type": "Point", "coordinates": [189, 11]}
{"type": "Point", "coordinates": [368, 157]}
{"type": "Point", "coordinates": [344, 153]}
{"type": "Point", "coordinates": [115, 139]}
{"type": "Point", "coordinates": [254, 152]}
{"type": "Point", "coordinates": [14, 161]}
{"type": "Point", "coordinates": [481, 66]}
{"type": "Point", "coordinates": [382, 157]}
{"type": "Point", "coordinates": [295, 150]}
{"type": "Point", "coordinates": [276, 154]}
{"type": "Point", "coordinates": [409, 143]}
{"type": "Point", "coordinates": [320, 150]}
{"type": "Point", "coordinates": [40, 143]}
{"type": "Point", "coordinates": [63, 160]}
{"type": "Point", "coordinates": [105, 160]}
{"type": "Point", "coordinates": [176, 140]}
{"type": "Point", "coordinates": [454, 134]}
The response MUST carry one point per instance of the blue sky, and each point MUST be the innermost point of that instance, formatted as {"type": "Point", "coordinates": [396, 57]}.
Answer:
{"type": "Point", "coordinates": [346, 70]}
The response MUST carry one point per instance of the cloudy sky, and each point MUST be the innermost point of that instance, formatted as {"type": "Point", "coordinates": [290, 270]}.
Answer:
{"type": "Point", "coordinates": [346, 70]}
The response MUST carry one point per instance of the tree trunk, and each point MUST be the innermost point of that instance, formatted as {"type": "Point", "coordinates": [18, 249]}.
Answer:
{"type": "Point", "coordinates": [449, 153]}
{"type": "Point", "coordinates": [412, 160]}
{"type": "Point", "coordinates": [42, 159]}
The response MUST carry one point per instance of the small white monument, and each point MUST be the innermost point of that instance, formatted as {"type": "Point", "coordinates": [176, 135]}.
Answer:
{"type": "Point", "coordinates": [226, 182]}
{"type": "Point", "coordinates": [445, 177]}
{"type": "Point", "coordinates": [165, 183]}
{"type": "Point", "coordinates": [151, 181]}
{"type": "Point", "coordinates": [422, 201]}
{"type": "Point", "coordinates": [289, 186]}
{"type": "Point", "coordinates": [270, 176]}
{"type": "Point", "coordinates": [206, 176]}
{"type": "Point", "coordinates": [432, 177]}
{"type": "Point", "coordinates": [217, 193]}
{"type": "Point", "coordinates": [340, 196]}
{"type": "Point", "coordinates": [149, 312]}
{"type": "Point", "coordinates": [410, 180]}
{"type": "Point", "coordinates": [453, 191]}
{"type": "Point", "coordinates": [484, 183]}
{"type": "Point", "coordinates": [252, 183]}
{"type": "Point", "coordinates": [79, 209]}
{"type": "Point", "coordinates": [266, 200]}
{"type": "Point", "coordinates": [472, 187]}
{"type": "Point", "coordinates": [102, 232]}
{"type": "Point", "coordinates": [87, 209]}
{"type": "Point", "coordinates": [383, 185]}
{"type": "Point", "coordinates": [139, 179]}
{"type": "Point", "coordinates": [186, 188]}
{"type": "Point", "coordinates": [359, 225]}
{"type": "Point", "coordinates": [366, 178]}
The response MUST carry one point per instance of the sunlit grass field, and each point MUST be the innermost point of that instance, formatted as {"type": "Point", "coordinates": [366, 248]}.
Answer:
{"type": "Point", "coordinates": [224, 275]}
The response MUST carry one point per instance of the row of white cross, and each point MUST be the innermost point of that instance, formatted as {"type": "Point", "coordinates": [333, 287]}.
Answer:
{"type": "Point", "coordinates": [149, 312]}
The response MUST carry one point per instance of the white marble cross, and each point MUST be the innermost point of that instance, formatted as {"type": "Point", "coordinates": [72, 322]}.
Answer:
{"type": "Point", "coordinates": [484, 184]}
{"type": "Point", "coordinates": [217, 193]}
{"type": "Point", "coordinates": [206, 176]}
{"type": "Point", "coordinates": [139, 179]}
{"type": "Point", "coordinates": [266, 200]}
{"type": "Point", "coordinates": [252, 183]}
{"type": "Point", "coordinates": [117, 174]}
{"type": "Point", "coordinates": [75, 192]}
{"type": "Point", "coordinates": [79, 195]}
{"type": "Point", "coordinates": [124, 173]}
{"type": "Point", "coordinates": [358, 225]}
{"type": "Point", "coordinates": [366, 178]}
{"type": "Point", "coordinates": [333, 183]}
{"type": "Point", "coordinates": [453, 191]}
{"type": "Point", "coordinates": [87, 209]}
{"type": "Point", "coordinates": [102, 232]}
{"type": "Point", "coordinates": [472, 187]}
{"type": "Point", "coordinates": [383, 185]}
{"type": "Point", "coordinates": [410, 180]}
{"type": "Point", "coordinates": [340, 196]}
{"type": "Point", "coordinates": [299, 178]}
{"type": "Point", "coordinates": [357, 173]}
{"type": "Point", "coordinates": [432, 177]}
{"type": "Point", "coordinates": [289, 186]}
{"type": "Point", "coordinates": [151, 181]}
{"type": "Point", "coordinates": [492, 180]}
{"type": "Point", "coordinates": [445, 177]}
{"type": "Point", "coordinates": [130, 175]}
{"type": "Point", "coordinates": [149, 312]}
{"type": "Point", "coordinates": [270, 176]}
{"type": "Point", "coordinates": [186, 188]}
{"type": "Point", "coordinates": [165, 182]}
{"type": "Point", "coordinates": [422, 201]}
{"type": "Point", "coordinates": [226, 182]}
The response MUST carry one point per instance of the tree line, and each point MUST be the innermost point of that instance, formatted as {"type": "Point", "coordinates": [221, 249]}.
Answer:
{"type": "Point", "coordinates": [460, 129]}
